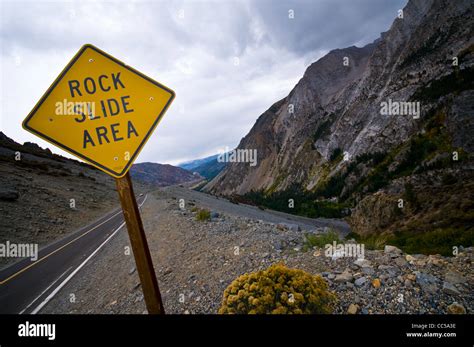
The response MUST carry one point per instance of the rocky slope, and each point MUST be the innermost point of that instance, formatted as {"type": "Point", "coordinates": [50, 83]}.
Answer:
{"type": "Point", "coordinates": [162, 175]}
{"type": "Point", "coordinates": [343, 102]}
{"type": "Point", "coordinates": [328, 136]}
{"type": "Point", "coordinates": [43, 196]}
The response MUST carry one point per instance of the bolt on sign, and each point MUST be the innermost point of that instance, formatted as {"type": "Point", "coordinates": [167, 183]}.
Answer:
{"type": "Point", "coordinates": [100, 110]}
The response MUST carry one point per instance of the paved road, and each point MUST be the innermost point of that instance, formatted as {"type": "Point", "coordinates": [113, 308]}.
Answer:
{"type": "Point", "coordinates": [26, 286]}
{"type": "Point", "coordinates": [224, 206]}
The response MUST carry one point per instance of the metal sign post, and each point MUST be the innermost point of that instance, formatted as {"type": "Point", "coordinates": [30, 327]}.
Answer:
{"type": "Point", "coordinates": [145, 269]}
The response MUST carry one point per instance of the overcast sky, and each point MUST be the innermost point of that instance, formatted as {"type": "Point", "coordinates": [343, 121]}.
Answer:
{"type": "Point", "coordinates": [227, 61]}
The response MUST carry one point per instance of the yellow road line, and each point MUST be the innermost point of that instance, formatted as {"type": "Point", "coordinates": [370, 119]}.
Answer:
{"type": "Point", "coordinates": [60, 248]}
{"type": "Point", "coordinates": [55, 251]}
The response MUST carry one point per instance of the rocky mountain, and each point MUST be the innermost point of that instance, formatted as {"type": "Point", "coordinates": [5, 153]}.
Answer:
{"type": "Point", "coordinates": [368, 126]}
{"type": "Point", "coordinates": [44, 196]}
{"type": "Point", "coordinates": [162, 175]}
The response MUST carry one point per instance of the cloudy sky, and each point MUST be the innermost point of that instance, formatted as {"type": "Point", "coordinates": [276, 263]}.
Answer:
{"type": "Point", "coordinates": [227, 61]}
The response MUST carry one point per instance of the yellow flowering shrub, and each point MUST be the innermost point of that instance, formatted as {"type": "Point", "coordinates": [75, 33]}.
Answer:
{"type": "Point", "coordinates": [278, 290]}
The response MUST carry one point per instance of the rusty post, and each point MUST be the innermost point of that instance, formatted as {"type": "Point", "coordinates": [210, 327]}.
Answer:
{"type": "Point", "coordinates": [151, 292]}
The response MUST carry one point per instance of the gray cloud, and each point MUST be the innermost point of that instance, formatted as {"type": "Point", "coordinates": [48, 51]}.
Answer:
{"type": "Point", "coordinates": [217, 100]}
{"type": "Point", "coordinates": [326, 24]}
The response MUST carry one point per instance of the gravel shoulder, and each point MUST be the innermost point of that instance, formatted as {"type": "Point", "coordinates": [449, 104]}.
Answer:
{"type": "Point", "coordinates": [224, 206]}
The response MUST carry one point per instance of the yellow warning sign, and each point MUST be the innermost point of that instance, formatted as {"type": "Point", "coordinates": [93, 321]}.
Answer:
{"type": "Point", "coordinates": [100, 110]}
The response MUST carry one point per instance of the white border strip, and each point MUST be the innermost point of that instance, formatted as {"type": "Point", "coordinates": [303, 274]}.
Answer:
{"type": "Point", "coordinates": [44, 291]}
{"type": "Point", "coordinates": [71, 275]}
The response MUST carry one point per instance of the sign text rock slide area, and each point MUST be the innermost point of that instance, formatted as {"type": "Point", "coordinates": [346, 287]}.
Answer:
{"type": "Point", "coordinates": [100, 110]}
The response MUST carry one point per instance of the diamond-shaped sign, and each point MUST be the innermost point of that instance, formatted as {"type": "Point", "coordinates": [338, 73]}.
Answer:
{"type": "Point", "coordinates": [100, 110]}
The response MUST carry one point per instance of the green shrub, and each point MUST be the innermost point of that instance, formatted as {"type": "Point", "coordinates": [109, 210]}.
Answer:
{"type": "Point", "coordinates": [410, 197]}
{"type": "Point", "coordinates": [428, 47]}
{"type": "Point", "coordinates": [377, 180]}
{"type": "Point", "coordinates": [455, 82]}
{"type": "Point", "coordinates": [438, 241]}
{"type": "Point", "coordinates": [320, 240]}
{"type": "Point", "coordinates": [420, 147]}
{"type": "Point", "coordinates": [333, 187]}
{"type": "Point", "coordinates": [448, 179]}
{"type": "Point", "coordinates": [325, 209]}
{"type": "Point", "coordinates": [336, 154]}
{"type": "Point", "coordinates": [306, 203]}
{"type": "Point", "coordinates": [203, 215]}
{"type": "Point", "coordinates": [278, 290]}
{"type": "Point", "coordinates": [322, 130]}
{"type": "Point", "coordinates": [374, 241]}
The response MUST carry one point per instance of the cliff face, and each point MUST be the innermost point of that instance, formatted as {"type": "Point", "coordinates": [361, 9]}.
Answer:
{"type": "Point", "coordinates": [283, 134]}
{"type": "Point", "coordinates": [337, 108]}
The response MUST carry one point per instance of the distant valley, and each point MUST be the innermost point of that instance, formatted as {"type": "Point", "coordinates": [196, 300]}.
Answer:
{"type": "Point", "coordinates": [208, 167]}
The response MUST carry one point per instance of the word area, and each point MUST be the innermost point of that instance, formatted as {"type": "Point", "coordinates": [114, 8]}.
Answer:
{"type": "Point", "coordinates": [109, 107]}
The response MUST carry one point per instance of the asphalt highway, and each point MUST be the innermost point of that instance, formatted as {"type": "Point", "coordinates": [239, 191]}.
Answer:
{"type": "Point", "coordinates": [27, 286]}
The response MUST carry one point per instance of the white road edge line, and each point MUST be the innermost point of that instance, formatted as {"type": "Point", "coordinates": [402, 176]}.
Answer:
{"type": "Point", "coordinates": [146, 196]}
{"type": "Point", "coordinates": [63, 283]}
{"type": "Point", "coordinates": [72, 274]}
{"type": "Point", "coordinates": [44, 291]}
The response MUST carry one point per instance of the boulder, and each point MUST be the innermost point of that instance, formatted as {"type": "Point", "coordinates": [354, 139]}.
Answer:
{"type": "Point", "coordinates": [346, 276]}
{"type": "Point", "coordinates": [390, 269]}
{"type": "Point", "coordinates": [401, 262]}
{"type": "Point", "coordinates": [449, 288]}
{"type": "Point", "coordinates": [454, 277]}
{"type": "Point", "coordinates": [352, 309]}
{"type": "Point", "coordinates": [392, 250]}
{"type": "Point", "coordinates": [360, 281]}
{"type": "Point", "coordinates": [362, 263]}
{"type": "Point", "coordinates": [456, 308]}
{"type": "Point", "coordinates": [368, 270]}
{"type": "Point", "coordinates": [427, 282]}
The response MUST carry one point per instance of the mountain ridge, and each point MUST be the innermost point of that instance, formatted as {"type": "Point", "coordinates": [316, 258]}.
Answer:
{"type": "Point", "coordinates": [162, 175]}
{"type": "Point", "coordinates": [208, 167]}
{"type": "Point", "coordinates": [328, 139]}
{"type": "Point", "coordinates": [191, 164]}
